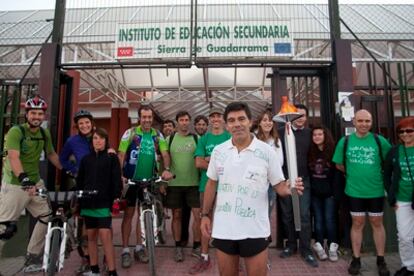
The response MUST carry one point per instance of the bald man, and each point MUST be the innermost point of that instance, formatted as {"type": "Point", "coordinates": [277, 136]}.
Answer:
{"type": "Point", "coordinates": [362, 165]}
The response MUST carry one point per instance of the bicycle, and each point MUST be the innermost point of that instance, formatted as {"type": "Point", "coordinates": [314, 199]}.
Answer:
{"type": "Point", "coordinates": [61, 229]}
{"type": "Point", "coordinates": [151, 216]}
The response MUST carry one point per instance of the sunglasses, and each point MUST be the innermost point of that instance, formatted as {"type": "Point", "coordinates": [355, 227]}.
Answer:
{"type": "Point", "coordinates": [408, 131]}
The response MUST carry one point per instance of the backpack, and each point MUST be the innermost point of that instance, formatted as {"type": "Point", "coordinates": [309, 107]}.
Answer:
{"type": "Point", "coordinates": [378, 142]}
{"type": "Point", "coordinates": [128, 168]}
{"type": "Point", "coordinates": [195, 137]}
{"type": "Point", "coordinates": [42, 131]}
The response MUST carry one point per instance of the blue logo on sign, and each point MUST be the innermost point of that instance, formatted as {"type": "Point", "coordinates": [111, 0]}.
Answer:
{"type": "Point", "coordinates": [283, 48]}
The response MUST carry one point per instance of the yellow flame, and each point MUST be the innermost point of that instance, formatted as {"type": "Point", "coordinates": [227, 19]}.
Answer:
{"type": "Point", "coordinates": [286, 107]}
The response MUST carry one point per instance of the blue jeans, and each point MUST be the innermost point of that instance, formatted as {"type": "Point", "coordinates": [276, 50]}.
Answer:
{"type": "Point", "coordinates": [324, 210]}
{"type": "Point", "coordinates": [305, 219]}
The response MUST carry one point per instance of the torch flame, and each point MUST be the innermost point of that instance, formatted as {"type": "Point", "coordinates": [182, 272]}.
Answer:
{"type": "Point", "coordinates": [286, 106]}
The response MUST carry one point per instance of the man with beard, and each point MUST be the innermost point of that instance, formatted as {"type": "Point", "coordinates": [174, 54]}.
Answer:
{"type": "Point", "coordinates": [201, 124]}
{"type": "Point", "coordinates": [24, 145]}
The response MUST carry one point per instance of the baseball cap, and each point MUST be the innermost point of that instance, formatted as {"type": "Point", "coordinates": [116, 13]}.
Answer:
{"type": "Point", "coordinates": [215, 110]}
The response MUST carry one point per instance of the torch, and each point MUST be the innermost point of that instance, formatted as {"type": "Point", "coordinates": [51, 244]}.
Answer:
{"type": "Point", "coordinates": [288, 113]}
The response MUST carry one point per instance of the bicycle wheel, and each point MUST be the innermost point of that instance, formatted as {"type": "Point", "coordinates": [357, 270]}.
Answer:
{"type": "Point", "coordinates": [54, 253]}
{"type": "Point", "coordinates": [159, 209]}
{"type": "Point", "coordinates": [150, 241]}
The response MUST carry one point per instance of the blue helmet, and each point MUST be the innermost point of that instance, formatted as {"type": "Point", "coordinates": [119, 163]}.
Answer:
{"type": "Point", "coordinates": [82, 114]}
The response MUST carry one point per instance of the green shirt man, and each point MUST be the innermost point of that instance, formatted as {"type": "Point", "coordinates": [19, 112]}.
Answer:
{"type": "Point", "coordinates": [205, 147]}
{"type": "Point", "coordinates": [363, 165]}
{"type": "Point", "coordinates": [30, 145]}
{"type": "Point", "coordinates": [144, 156]}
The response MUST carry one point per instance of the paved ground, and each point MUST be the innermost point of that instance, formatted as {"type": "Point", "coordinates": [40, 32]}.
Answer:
{"type": "Point", "coordinates": [167, 266]}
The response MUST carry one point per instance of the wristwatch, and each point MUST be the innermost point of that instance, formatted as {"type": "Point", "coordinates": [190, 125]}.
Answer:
{"type": "Point", "coordinates": [203, 215]}
{"type": "Point", "coordinates": [167, 168]}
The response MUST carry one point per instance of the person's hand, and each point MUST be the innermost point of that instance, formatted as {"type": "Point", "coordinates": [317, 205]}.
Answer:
{"type": "Point", "coordinates": [299, 185]}
{"type": "Point", "coordinates": [71, 174]}
{"type": "Point", "coordinates": [167, 175]}
{"type": "Point", "coordinates": [124, 181]}
{"type": "Point", "coordinates": [111, 150]}
{"type": "Point", "coordinates": [205, 226]}
{"type": "Point", "coordinates": [284, 188]}
{"type": "Point", "coordinates": [207, 159]}
{"type": "Point", "coordinates": [26, 184]}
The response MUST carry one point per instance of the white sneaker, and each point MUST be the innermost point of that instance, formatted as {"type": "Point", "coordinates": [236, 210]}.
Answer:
{"type": "Point", "coordinates": [333, 252]}
{"type": "Point", "coordinates": [320, 251]}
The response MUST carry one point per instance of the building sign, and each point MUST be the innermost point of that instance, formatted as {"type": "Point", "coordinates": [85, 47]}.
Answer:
{"type": "Point", "coordinates": [210, 39]}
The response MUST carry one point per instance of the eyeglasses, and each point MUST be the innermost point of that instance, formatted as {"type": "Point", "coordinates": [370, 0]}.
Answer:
{"type": "Point", "coordinates": [408, 131]}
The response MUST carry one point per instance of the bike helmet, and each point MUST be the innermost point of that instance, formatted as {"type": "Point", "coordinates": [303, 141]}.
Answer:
{"type": "Point", "coordinates": [35, 102]}
{"type": "Point", "coordinates": [82, 114]}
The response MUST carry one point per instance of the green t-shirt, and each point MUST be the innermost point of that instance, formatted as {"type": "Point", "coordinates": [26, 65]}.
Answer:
{"type": "Point", "coordinates": [146, 159]}
{"type": "Point", "coordinates": [182, 161]}
{"type": "Point", "coordinates": [96, 213]}
{"type": "Point", "coordinates": [405, 189]}
{"type": "Point", "coordinates": [147, 154]}
{"type": "Point", "coordinates": [30, 152]}
{"type": "Point", "coordinates": [363, 165]}
{"type": "Point", "coordinates": [205, 147]}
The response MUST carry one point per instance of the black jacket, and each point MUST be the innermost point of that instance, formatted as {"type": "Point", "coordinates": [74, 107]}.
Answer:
{"type": "Point", "coordinates": [99, 171]}
{"type": "Point", "coordinates": [392, 175]}
{"type": "Point", "coordinates": [321, 176]}
{"type": "Point", "coordinates": [303, 138]}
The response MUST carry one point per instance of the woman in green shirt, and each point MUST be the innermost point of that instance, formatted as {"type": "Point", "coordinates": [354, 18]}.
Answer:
{"type": "Point", "coordinates": [399, 182]}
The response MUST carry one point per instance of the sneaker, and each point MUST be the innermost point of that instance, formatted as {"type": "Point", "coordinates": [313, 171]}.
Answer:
{"type": "Point", "coordinates": [333, 252]}
{"type": "Point", "coordinates": [404, 272]}
{"type": "Point", "coordinates": [201, 266]}
{"type": "Point", "coordinates": [355, 266]}
{"type": "Point", "coordinates": [178, 254]}
{"type": "Point", "coordinates": [196, 252]}
{"type": "Point", "coordinates": [310, 260]}
{"type": "Point", "coordinates": [141, 256]}
{"type": "Point", "coordinates": [33, 263]}
{"type": "Point", "coordinates": [383, 269]}
{"type": "Point", "coordinates": [126, 260]}
{"type": "Point", "coordinates": [287, 252]}
{"type": "Point", "coordinates": [317, 247]}
{"type": "Point", "coordinates": [32, 268]}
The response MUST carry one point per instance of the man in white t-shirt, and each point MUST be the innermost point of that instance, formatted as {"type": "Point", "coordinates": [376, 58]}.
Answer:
{"type": "Point", "coordinates": [240, 170]}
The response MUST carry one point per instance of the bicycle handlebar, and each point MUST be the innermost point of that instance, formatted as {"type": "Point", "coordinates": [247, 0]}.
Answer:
{"type": "Point", "coordinates": [68, 194]}
{"type": "Point", "coordinates": [144, 182]}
